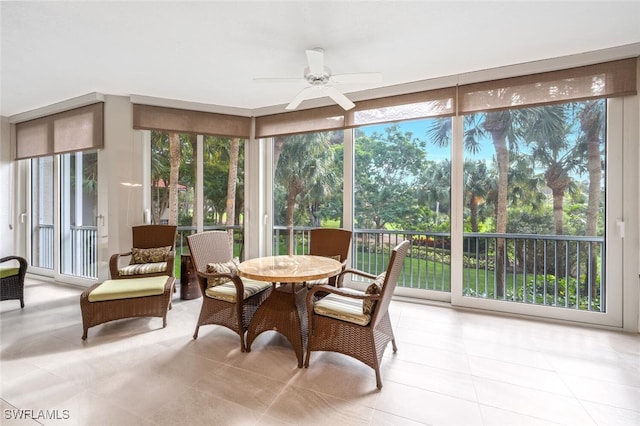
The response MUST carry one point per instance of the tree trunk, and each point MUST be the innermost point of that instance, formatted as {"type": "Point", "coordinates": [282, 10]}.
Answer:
{"type": "Point", "coordinates": [295, 188]}
{"type": "Point", "coordinates": [232, 180]}
{"type": "Point", "coordinates": [497, 124]}
{"type": "Point", "coordinates": [278, 143]}
{"type": "Point", "coordinates": [174, 152]}
{"type": "Point", "coordinates": [473, 213]}
{"type": "Point", "coordinates": [558, 210]}
{"type": "Point", "coordinates": [194, 147]}
{"type": "Point", "coordinates": [590, 125]}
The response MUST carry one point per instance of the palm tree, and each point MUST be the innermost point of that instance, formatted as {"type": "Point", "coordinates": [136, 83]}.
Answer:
{"type": "Point", "coordinates": [174, 158]}
{"type": "Point", "coordinates": [591, 119]}
{"type": "Point", "coordinates": [506, 128]}
{"type": "Point", "coordinates": [302, 169]}
{"type": "Point", "coordinates": [478, 183]}
{"type": "Point", "coordinates": [525, 184]}
{"type": "Point", "coordinates": [217, 175]}
{"type": "Point", "coordinates": [435, 188]}
{"type": "Point", "coordinates": [159, 174]}
{"type": "Point", "coordinates": [546, 135]}
{"type": "Point", "coordinates": [499, 125]}
{"type": "Point", "coordinates": [193, 141]}
{"type": "Point", "coordinates": [592, 124]}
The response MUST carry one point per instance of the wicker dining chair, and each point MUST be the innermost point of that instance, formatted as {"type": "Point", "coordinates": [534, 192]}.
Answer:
{"type": "Point", "coordinates": [227, 299]}
{"type": "Point", "coordinates": [152, 255]}
{"type": "Point", "coordinates": [355, 323]}
{"type": "Point", "coordinates": [12, 279]}
{"type": "Point", "coordinates": [329, 242]}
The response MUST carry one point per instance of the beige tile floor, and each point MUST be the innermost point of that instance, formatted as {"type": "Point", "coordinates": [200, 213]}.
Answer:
{"type": "Point", "coordinates": [452, 368]}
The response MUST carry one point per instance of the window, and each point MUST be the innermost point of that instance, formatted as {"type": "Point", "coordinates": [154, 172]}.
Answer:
{"type": "Point", "coordinates": [308, 186]}
{"type": "Point", "coordinates": [402, 191]}
{"type": "Point", "coordinates": [534, 205]}
{"type": "Point", "coordinates": [172, 160]}
{"type": "Point", "coordinates": [218, 194]}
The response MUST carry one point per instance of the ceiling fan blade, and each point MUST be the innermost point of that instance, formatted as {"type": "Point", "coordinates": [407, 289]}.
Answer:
{"type": "Point", "coordinates": [279, 80]}
{"type": "Point", "coordinates": [315, 59]}
{"type": "Point", "coordinates": [360, 77]}
{"type": "Point", "coordinates": [338, 97]}
{"type": "Point", "coordinates": [302, 95]}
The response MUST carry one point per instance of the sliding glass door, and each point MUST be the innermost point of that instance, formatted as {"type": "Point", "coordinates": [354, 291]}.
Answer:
{"type": "Point", "coordinates": [42, 215]}
{"type": "Point", "coordinates": [535, 204]}
{"type": "Point", "coordinates": [63, 215]}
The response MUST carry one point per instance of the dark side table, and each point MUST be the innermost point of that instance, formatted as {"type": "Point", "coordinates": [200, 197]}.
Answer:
{"type": "Point", "coordinates": [189, 287]}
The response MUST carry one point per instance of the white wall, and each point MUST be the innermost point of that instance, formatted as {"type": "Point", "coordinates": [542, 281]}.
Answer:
{"type": "Point", "coordinates": [7, 191]}
{"type": "Point", "coordinates": [120, 174]}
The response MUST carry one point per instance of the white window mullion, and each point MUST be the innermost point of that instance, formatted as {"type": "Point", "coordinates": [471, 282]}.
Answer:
{"type": "Point", "coordinates": [457, 207]}
{"type": "Point", "coordinates": [348, 173]}
{"type": "Point", "coordinates": [199, 189]}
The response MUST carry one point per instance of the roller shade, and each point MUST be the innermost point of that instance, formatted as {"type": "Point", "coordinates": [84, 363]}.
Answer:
{"type": "Point", "coordinates": [609, 79]}
{"type": "Point", "coordinates": [148, 117]}
{"type": "Point", "coordinates": [304, 121]}
{"type": "Point", "coordinates": [426, 104]}
{"type": "Point", "coordinates": [78, 129]}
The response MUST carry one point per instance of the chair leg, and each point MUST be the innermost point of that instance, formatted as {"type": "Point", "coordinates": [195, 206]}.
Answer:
{"type": "Point", "coordinates": [393, 344]}
{"type": "Point", "coordinates": [378, 379]}
{"type": "Point", "coordinates": [21, 303]}
{"type": "Point", "coordinates": [195, 334]}
{"type": "Point", "coordinates": [243, 347]}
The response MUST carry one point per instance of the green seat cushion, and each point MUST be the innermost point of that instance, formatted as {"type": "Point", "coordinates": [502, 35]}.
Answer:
{"type": "Point", "coordinates": [227, 291]}
{"type": "Point", "coordinates": [9, 272]}
{"type": "Point", "coordinates": [128, 288]}
{"type": "Point", "coordinates": [342, 308]}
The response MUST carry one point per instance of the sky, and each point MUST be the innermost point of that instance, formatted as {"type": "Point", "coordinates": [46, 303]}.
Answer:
{"type": "Point", "coordinates": [419, 130]}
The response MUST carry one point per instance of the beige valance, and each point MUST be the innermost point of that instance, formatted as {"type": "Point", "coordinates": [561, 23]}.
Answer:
{"type": "Point", "coordinates": [78, 129]}
{"type": "Point", "coordinates": [149, 117]}
{"type": "Point", "coordinates": [609, 79]}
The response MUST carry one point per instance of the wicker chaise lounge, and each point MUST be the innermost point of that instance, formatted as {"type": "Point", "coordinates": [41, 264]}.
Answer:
{"type": "Point", "coordinates": [122, 305]}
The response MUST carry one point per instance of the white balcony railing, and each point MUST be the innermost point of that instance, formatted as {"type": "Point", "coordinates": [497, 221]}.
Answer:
{"type": "Point", "coordinates": [561, 271]}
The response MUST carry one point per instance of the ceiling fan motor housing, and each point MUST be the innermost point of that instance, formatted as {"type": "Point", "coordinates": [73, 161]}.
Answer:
{"type": "Point", "coordinates": [317, 80]}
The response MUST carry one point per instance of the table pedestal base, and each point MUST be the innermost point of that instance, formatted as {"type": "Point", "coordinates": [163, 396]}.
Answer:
{"type": "Point", "coordinates": [284, 311]}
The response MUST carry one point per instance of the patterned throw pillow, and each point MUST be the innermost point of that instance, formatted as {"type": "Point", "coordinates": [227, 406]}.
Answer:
{"type": "Point", "coordinates": [149, 255]}
{"type": "Point", "coordinates": [229, 267]}
{"type": "Point", "coordinates": [374, 288]}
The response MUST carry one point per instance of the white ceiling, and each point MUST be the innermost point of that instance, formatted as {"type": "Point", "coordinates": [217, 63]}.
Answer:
{"type": "Point", "coordinates": [209, 52]}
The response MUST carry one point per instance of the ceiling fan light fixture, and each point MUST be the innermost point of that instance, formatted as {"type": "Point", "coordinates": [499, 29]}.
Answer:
{"type": "Point", "coordinates": [319, 77]}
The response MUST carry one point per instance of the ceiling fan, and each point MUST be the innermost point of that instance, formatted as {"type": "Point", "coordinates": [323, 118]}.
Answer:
{"type": "Point", "coordinates": [321, 81]}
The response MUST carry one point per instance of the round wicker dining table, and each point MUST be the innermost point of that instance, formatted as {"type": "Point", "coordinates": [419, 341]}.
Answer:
{"type": "Point", "coordinates": [284, 310]}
